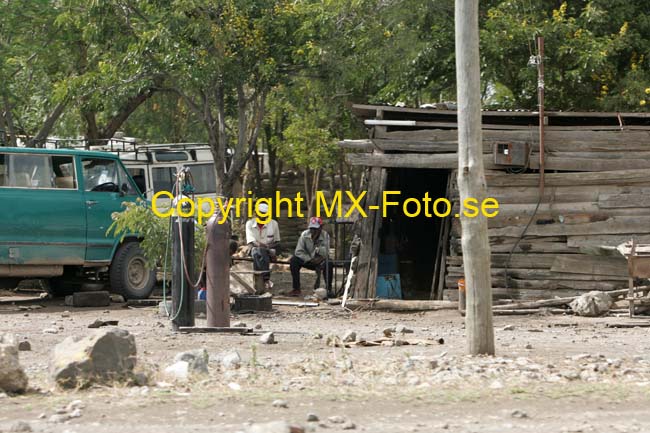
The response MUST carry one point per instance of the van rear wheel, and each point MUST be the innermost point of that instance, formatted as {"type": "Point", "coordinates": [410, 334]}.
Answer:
{"type": "Point", "coordinates": [129, 274]}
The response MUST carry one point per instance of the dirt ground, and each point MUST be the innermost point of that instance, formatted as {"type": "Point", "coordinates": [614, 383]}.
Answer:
{"type": "Point", "coordinates": [551, 374]}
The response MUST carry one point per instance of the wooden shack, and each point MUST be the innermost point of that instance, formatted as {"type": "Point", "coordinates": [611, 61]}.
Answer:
{"type": "Point", "coordinates": [596, 196]}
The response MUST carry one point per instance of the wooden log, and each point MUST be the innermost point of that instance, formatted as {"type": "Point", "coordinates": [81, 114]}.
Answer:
{"type": "Point", "coordinates": [544, 274]}
{"type": "Point", "coordinates": [601, 285]}
{"type": "Point", "coordinates": [562, 194]}
{"type": "Point", "coordinates": [617, 154]}
{"type": "Point", "coordinates": [408, 145]}
{"type": "Point", "coordinates": [592, 265]}
{"type": "Point", "coordinates": [624, 200]}
{"type": "Point", "coordinates": [554, 141]}
{"type": "Point", "coordinates": [557, 302]}
{"type": "Point", "coordinates": [615, 177]}
{"type": "Point", "coordinates": [519, 215]}
{"type": "Point", "coordinates": [589, 164]}
{"type": "Point", "coordinates": [523, 312]}
{"type": "Point", "coordinates": [449, 160]}
{"type": "Point", "coordinates": [529, 261]}
{"type": "Point", "coordinates": [411, 160]}
{"type": "Point", "coordinates": [605, 240]}
{"type": "Point", "coordinates": [613, 225]}
{"type": "Point", "coordinates": [400, 305]}
{"type": "Point", "coordinates": [519, 294]}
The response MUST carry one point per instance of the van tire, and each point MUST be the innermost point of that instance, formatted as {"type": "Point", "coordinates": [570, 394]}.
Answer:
{"type": "Point", "coordinates": [129, 274]}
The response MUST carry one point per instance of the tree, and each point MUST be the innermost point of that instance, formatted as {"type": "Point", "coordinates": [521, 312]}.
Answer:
{"type": "Point", "coordinates": [30, 71]}
{"type": "Point", "coordinates": [222, 59]}
{"type": "Point", "coordinates": [597, 53]}
{"type": "Point", "coordinates": [113, 74]}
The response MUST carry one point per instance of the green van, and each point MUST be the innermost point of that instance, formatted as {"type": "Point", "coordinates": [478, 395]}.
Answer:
{"type": "Point", "coordinates": [56, 206]}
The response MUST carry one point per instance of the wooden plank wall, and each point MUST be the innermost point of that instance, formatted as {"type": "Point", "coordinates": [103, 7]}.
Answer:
{"type": "Point", "coordinates": [597, 193]}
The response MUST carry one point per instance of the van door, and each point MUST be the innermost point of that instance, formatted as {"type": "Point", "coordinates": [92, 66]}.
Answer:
{"type": "Point", "coordinates": [42, 220]}
{"type": "Point", "coordinates": [106, 186]}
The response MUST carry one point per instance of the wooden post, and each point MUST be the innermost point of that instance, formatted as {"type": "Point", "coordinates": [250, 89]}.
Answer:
{"type": "Point", "coordinates": [471, 181]}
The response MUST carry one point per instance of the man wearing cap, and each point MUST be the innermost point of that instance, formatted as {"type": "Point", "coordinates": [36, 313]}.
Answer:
{"type": "Point", "coordinates": [263, 241]}
{"type": "Point", "coordinates": [311, 253]}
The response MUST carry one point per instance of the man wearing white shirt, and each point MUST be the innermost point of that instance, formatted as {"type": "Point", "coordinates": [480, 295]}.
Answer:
{"type": "Point", "coordinates": [263, 240]}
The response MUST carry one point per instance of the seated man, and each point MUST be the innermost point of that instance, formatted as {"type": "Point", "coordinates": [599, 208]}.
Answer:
{"type": "Point", "coordinates": [264, 241]}
{"type": "Point", "coordinates": [311, 253]}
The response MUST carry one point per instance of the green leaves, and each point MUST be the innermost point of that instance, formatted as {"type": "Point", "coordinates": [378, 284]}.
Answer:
{"type": "Point", "coordinates": [138, 219]}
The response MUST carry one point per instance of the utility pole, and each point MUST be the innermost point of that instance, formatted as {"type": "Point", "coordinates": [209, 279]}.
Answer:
{"type": "Point", "coordinates": [471, 182]}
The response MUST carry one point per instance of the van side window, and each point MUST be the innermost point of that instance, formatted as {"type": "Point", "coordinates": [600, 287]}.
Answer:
{"type": "Point", "coordinates": [205, 181]}
{"type": "Point", "coordinates": [64, 175]}
{"type": "Point", "coordinates": [100, 175]}
{"type": "Point", "coordinates": [29, 171]}
{"type": "Point", "coordinates": [125, 184]}
{"type": "Point", "coordinates": [138, 175]}
{"type": "Point", "coordinates": [163, 178]}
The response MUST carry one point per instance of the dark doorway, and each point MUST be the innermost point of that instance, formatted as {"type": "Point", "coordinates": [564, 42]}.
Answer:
{"type": "Point", "coordinates": [409, 245]}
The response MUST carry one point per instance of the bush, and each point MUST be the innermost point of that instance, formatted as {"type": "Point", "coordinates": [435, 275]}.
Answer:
{"type": "Point", "coordinates": [155, 232]}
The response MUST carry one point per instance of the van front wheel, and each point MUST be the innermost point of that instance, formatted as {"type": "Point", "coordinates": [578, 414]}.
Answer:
{"type": "Point", "coordinates": [129, 273]}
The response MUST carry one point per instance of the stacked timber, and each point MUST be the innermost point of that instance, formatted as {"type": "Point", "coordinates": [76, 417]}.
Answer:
{"type": "Point", "coordinates": [596, 194]}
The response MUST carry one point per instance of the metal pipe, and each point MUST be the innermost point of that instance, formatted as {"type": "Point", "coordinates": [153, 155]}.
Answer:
{"type": "Point", "coordinates": [540, 91]}
{"type": "Point", "coordinates": [183, 293]}
{"type": "Point", "coordinates": [217, 271]}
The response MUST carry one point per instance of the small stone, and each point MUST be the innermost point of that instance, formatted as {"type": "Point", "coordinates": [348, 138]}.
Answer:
{"type": "Point", "coordinates": [20, 427]}
{"type": "Point", "coordinates": [178, 371]}
{"type": "Point", "coordinates": [12, 376]}
{"type": "Point", "coordinates": [348, 425]}
{"type": "Point", "coordinates": [317, 336]}
{"type": "Point", "coordinates": [42, 416]}
{"type": "Point", "coordinates": [336, 419]}
{"type": "Point", "coordinates": [349, 337]}
{"type": "Point", "coordinates": [258, 326]}
{"type": "Point", "coordinates": [508, 328]}
{"type": "Point", "coordinates": [519, 414]}
{"type": "Point", "coordinates": [65, 314]}
{"type": "Point", "coordinates": [197, 360]}
{"type": "Point", "coordinates": [280, 403]}
{"type": "Point", "coordinates": [58, 418]}
{"type": "Point", "coordinates": [231, 361]}
{"type": "Point", "coordinates": [234, 386]}
{"type": "Point", "coordinates": [388, 332]}
{"type": "Point", "coordinates": [50, 331]}
{"type": "Point", "coordinates": [321, 294]}
{"type": "Point", "coordinates": [24, 346]}
{"type": "Point", "coordinates": [274, 427]}
{"type": "Point", "coordinates": [239, 325]}
{"type": "Point", "coordinates": [267, 338]}
{"type": "Point", "coordinates": [117, 299]}
{"type": "Point", "coordinates": [528, 346]}
{"type": "Point", "coordinates": [496, 385]}
{"type": "Point", "coordinates": [75, 404]}
{"type": "Point", "coordinates": [312, 417]}
{"type": "Point", "coordinates": [75, 413]}
{"type": "Point", "coordinates": [401, 329]}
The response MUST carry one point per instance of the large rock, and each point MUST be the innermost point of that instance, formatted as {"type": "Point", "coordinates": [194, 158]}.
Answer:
{"type": "Point", "coordinates": [12, 376]}
{"type": "Point", "coordinates": [101, 357]}
{"type": "Point", "coordinates": [592, 304]}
